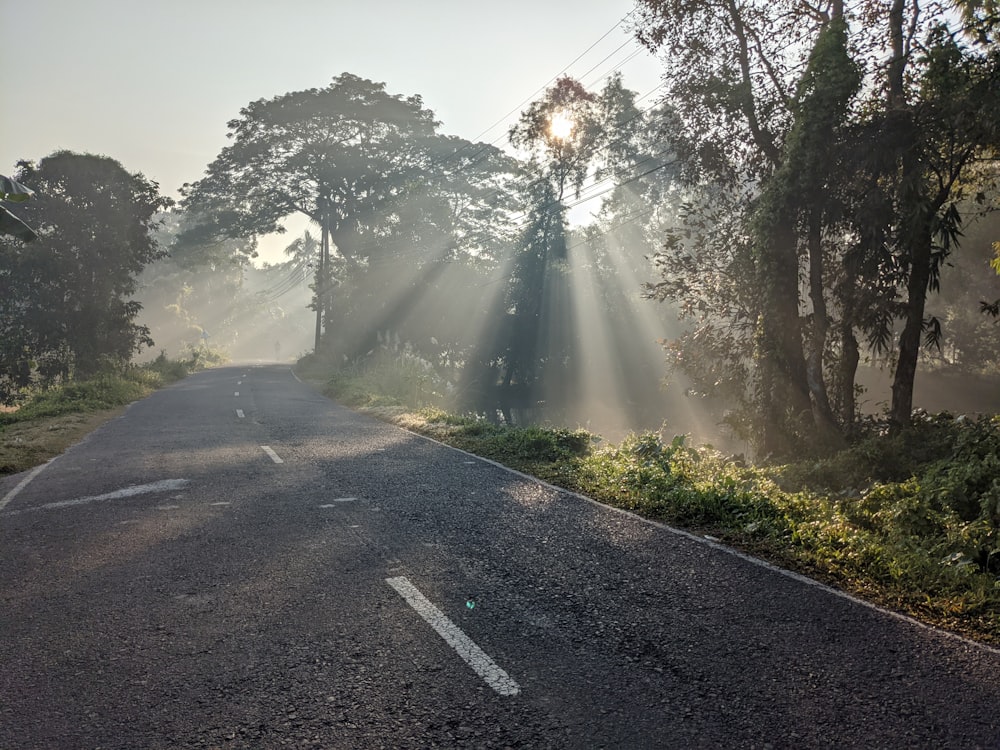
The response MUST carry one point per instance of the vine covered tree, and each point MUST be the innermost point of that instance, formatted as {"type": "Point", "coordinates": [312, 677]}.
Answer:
{"type": "Point", "coordinates": [849, 147]}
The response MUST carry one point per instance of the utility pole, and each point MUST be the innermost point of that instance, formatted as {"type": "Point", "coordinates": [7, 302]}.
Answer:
{"type": "Point", "coordinates": [322, 272]}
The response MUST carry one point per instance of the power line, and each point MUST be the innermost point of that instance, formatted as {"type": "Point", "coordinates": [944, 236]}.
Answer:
{"type": "Point", "coordinates": [542, 88]}
{"type": "Point", "coordinates": [557, 75]}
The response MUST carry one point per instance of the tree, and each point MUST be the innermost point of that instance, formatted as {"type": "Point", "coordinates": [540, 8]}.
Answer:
{"type": "Point", "coordinates": [734, 72]}
{"type": "Point", "coordinates": [354, 159]}
{"type": "Point", "coordinates": [799, 201]}
{"type": "Point", "coordinates": [932, 136]}
{"type": "Point", "coordinates": [565, 134]}
{"type": "Point", "coordinates": [859, 196]}
{"type": "Point", "coordinates": [65, 299]}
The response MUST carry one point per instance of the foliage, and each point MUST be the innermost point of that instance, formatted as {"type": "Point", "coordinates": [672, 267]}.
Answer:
{"type": "Point", "coordinates": [862, 193]}
{"type": "Point", "coordinates": [530, 350]}
{"type": "Point", "coordinates": [969, 340]}
{"type": "Point", "coordinates": [65, 302]}
{"type": "Point", "coordinates": [102, 392]}
{"type": "Point", "coordinates": [212, 296]}
{"type": "Point", "coordinates": [371, 170]}
{"type": "Point", "coordinates": [116, 385]}
{"type": "Point", "coordinates": [390, 378]}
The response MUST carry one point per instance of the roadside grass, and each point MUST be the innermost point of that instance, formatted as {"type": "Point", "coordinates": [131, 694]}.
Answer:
{"type": "Point", "coordinates": [910, 522]}
{"type": "Point", "coordinates": [48, 421]}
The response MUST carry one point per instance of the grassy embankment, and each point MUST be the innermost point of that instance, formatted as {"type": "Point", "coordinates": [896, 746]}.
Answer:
{"type": "Point", "coordinates": [50, 421]}
{"type": "Point", "coordinates": [911, 522]}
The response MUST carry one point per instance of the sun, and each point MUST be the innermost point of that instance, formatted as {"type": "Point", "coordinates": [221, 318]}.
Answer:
{"type": "Point", "coordinates": [561, 125]}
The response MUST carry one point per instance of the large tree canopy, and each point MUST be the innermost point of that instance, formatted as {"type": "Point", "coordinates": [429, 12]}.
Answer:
{"type": "Point", "coordinates": [65, 298]}
{"type": "Point", "coordinates": [369, 167]}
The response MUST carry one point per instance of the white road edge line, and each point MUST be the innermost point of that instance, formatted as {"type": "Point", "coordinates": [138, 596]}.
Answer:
{"type": "Point", "coordinates": [22, 484]}
{"type": "Point", "coordinates": [240, 414]}
{"type": "Point", "coordinates": [274, 456]}
{"type": "Point", "coordinates": [722, 548]}
{"type": "Point", "coordinates": [474, 656]}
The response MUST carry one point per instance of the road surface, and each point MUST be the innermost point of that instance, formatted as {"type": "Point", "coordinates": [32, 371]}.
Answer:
{"type": "Point", "coordinates": [237, 562]}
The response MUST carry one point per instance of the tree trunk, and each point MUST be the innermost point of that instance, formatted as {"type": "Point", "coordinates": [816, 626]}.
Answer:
{"type": "Point", "coordinates": [322, 276]}
{"type": "Point", "coordinates": [913, 327]}
{"type": "Point", "coordinates": [850, 354]}
{"type": "Point", "coordinates": [784, 387]}
{"type": "Point", "coordinates": [822, 413]}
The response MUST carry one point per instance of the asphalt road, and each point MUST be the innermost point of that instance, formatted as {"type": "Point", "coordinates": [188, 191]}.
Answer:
{"type": "Point", "coordinates": [172, 583]}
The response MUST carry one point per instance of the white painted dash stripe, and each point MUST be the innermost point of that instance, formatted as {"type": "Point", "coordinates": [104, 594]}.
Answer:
{"type": "Point", "coordinates": [237, 393]}
{"type": "Point", "coordinates": [220, 503]}
{"type": "Point", "coordinates": [167, 485]}
{"type": "Point", "coordinates": [274, 456]}
{"type": "Point", "coordinates": [333, 503]}
{"type": "Point", "coordinates": [240, 414]}
{"type": "Point", "coordinates": [474, 656]}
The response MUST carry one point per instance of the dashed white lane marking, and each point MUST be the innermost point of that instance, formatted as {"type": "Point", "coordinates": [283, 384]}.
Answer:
{"type": "Point", "coordinates": [333, 503]}
{"type": "Point", "coordinates": [220, 503]}
{"type": "Point", "coordinates": [240, 414]}
{"type": "Point", "coordinates": [474, 656]}
{"type": "Point", "coordinates": [22, 484]}
{"type": "Point", "coordinates": [237, 393]}
{"type": "Point", "coordinates": [239, 382]}
{"type": "Point", "coordinates": [137, 489]}
{"type": "Point", "coordinates": [274, 456]}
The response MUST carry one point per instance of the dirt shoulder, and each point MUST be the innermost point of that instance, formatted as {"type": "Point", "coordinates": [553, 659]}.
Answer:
{"type": "Point", "coordinates": [24, 445]}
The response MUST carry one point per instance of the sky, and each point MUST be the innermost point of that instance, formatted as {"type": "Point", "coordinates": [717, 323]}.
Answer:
{"type": "Point", "coordinates": [153, 84]}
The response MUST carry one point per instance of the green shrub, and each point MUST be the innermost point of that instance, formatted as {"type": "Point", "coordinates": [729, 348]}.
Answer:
{"type": "Point", "coordinates": [102, 392]}
{"type": "Point", "coordinates": [387, 379]}
{"type": "Point", "coordinates": [168, 370]}
{"type": "Point", "coordinates": [527, 444]}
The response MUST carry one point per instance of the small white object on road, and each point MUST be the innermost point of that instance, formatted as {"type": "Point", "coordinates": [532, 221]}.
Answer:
{"type": "Point", "coordinates": [237, 393]}
{"type": "Point", "coordinates": [474, 656]}
{"type": "Point", "coordinates": [240, 414]}
{"type": "Point", "coordinates": [274, 456]}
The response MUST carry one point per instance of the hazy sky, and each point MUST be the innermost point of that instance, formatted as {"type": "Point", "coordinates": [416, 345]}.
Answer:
{"type": "Point", "coordinates": [153, 83]}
